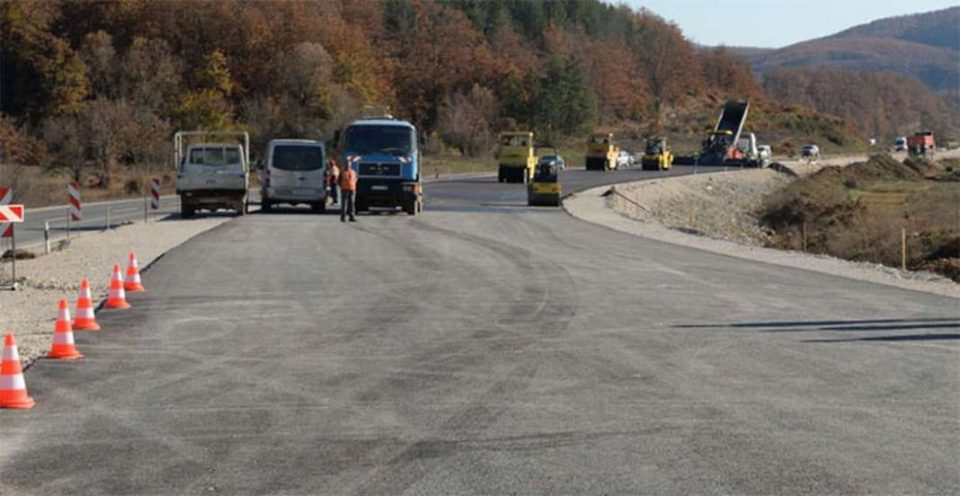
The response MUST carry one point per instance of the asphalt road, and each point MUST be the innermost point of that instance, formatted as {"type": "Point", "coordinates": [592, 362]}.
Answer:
{"type": "Point", "coordinates": [489, 348]}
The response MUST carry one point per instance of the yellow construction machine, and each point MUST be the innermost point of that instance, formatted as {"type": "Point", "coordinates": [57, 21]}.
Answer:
{"type": "Point", "coordinates": [544, 189]}
{"type": "Point", "coordinates": [657, 155]}
{"type": "Point", "coordinates": [516, 157]}
{"type": "Point", "coordinates": [601, 152]}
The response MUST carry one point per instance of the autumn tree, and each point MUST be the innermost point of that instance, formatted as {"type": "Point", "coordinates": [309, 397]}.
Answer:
{"type": "Point", "coordinates": [728, 73]}
{"type": "Point", "coordinates": [467, 120]}
{"type": "Point", "coordinates": [207, 106]}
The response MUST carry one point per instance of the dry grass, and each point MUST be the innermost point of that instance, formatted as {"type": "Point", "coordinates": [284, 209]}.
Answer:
{"type": "Point", "coordinates": [35, 187]}
{"type": "Point", "coordinates": [860, 212]}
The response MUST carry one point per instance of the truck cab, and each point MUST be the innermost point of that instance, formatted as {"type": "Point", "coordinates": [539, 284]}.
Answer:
{"type": "Point", "coordinates": [517, 157]}
{"type": "Point", "coordinates": [601, 152]}
{"type": "Point", "coordinates": [385, 154]}
{"type": "Point", "coordinates": [212, 175]}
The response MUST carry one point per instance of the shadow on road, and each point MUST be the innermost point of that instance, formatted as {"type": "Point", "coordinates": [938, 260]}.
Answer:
{"type": "Point", "coordinates": [888, 324]}
{"type": "Point", "coordinates": [831, 326]}
{"type": "Point", "coordinates": [909, 337]}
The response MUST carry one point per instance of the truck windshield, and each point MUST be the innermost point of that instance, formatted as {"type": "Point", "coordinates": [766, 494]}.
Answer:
{"type": "Point", "coordinates": [394, 140]}
{"type": "Point", "coordinates": [214, 156]}
{"type": "Point", "coordinates": [297, 157]}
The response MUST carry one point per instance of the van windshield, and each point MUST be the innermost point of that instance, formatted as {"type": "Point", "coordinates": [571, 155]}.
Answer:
{"type": "Point", "coordinates": [297, 157]}
{"type": "Point", "coordinates": [393, 140]}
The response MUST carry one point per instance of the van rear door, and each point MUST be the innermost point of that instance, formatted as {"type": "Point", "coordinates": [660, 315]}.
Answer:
{"type": "Point", "coordinates": [296, 171]}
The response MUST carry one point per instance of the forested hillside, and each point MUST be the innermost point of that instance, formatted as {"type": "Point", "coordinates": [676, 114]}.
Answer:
{"type": "Point", "coordinates": [883, 104]}
{"type": "Point", "coordinates": [100, 84]}
{"type": "Point", "coordinates": [922, 46]}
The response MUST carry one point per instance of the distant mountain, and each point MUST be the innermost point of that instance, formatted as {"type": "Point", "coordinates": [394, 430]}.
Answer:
{"type": "Point", "coordinates": [923, 46]}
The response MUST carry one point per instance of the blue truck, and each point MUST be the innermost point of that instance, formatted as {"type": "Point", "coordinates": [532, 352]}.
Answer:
{"type": "Point", "coordinates": [384, 151]}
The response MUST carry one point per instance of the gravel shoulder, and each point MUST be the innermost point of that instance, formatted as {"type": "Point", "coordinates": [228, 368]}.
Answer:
{"type": "Point", "coordinates": [30, 312]}
{"type": "Point", "coordinates": [715, 212]}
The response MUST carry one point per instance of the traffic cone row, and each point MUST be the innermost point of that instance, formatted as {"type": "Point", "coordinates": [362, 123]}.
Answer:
{"type": "Point", "coordinates": [13, 388]}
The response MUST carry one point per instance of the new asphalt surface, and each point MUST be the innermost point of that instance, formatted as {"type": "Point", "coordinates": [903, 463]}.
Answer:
{"type": "Point", "coordinates": [490, 348]}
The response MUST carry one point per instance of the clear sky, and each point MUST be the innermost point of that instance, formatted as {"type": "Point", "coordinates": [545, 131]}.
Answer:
{"type": "Point", "coordinates": [776, 23]}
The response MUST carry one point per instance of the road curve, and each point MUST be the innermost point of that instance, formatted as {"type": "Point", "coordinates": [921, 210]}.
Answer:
{"type": "Point", "coordinates": [490, 348]}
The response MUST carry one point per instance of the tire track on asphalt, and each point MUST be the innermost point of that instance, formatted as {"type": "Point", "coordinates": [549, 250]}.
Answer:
{"type": "Point", "coordinates": [544, 306]}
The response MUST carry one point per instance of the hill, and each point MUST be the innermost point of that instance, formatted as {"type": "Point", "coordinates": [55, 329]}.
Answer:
{"type": "Point", "coordinates": [923, 46]}
{"type": "Point", "coordinates": [104, 84]}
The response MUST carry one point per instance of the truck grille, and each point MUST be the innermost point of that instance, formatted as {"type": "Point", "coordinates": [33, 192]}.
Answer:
{"type": "Point", "coordinates": [379, 169]}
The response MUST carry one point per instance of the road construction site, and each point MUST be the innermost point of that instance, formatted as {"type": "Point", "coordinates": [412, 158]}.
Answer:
{"type": "Point", "coordinates": [486, 347]}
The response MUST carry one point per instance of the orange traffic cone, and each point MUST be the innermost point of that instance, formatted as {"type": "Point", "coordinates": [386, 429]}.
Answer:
{"type": "Point", "coordinates": [86, 320]}
{"type": "Point", "coordinates": [13, 389]}
{"type": "Point", "coordinates": [132, 283]}
{"type": "Point", "coordinates": [63, 347]}
{"type": "Point", "coordinates": [117, 298]}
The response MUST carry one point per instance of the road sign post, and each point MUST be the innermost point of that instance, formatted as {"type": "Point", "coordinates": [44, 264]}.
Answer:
{"type": "Point", "coordinates": [12, 214]}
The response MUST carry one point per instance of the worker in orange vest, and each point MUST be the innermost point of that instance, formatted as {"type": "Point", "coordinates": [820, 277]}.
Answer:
{"type": "Point", "coordinates": [348, 190]}
{"type": "Point", "coordinates": [333, 176]}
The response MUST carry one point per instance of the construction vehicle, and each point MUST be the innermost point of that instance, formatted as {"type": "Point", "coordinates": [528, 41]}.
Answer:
{"type": "Point", "coordinates": [657, 155]}
{"type": "Point", "coordinates": [517, 157]}
{"type": "Point", "coordinates": [212, 175]}
{"type": "Point", "coordinates": [602, 154]}
{"type": "Point", "coordinates": [385, 154]}
{"type": "Point", "coordinates": [544, 188]}
{"type": "Point", "coordinates": [720, 145]}
{"type": "Point", "coordinates": [922, 145]}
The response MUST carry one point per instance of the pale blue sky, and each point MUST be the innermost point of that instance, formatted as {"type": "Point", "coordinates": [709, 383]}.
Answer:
{"type": "Point", "coordinates": [776, 23]}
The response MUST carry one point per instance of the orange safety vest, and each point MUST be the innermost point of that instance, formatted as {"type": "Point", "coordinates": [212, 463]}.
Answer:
{"type": "Point", "coordinates": [348, 179]}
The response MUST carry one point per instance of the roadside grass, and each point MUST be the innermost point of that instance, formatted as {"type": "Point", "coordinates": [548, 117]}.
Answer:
{"type": "Point", "coordinates": [860, 212]}
{"type": "Point", "coordinates": [35, 187]}
{"type": "Point", "coordinates": [446, 164]}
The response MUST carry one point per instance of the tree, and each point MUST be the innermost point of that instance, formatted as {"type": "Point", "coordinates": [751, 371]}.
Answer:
{"type": "Point", "coordinates": [103, 124]}
{"type": "Point", "coordinates": [100, 60]}
{"type": "Point", "coordinates": [151, 75]}
{"type": "Point", "coordinates": [466, 120]}
{"type": "Point", "coordinates": [565, 105]}
{"type": "Point", "coordinates": [67, 151]}
{"type": "Point", "coordinates": [207, 108]}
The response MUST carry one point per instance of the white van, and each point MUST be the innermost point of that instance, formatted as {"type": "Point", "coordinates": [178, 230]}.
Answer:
{"type": "Point", "coordinates": [294, 173]}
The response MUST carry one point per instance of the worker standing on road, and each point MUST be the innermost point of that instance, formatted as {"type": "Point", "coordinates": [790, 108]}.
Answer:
{"type": "Point", "coordinates": [333, 176]}
{"type": "Point", "coordinates": [348, 189]}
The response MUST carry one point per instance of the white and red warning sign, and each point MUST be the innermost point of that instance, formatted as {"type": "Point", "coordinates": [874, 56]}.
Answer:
{"type": "Point", "coordinates": [155, 194]}
{"type": "Point", "coordinates": [6, 228]}
{"type": "Point", "coordinates": [76, 207]}
{"type": "Point", "coordinates": [11, 213]}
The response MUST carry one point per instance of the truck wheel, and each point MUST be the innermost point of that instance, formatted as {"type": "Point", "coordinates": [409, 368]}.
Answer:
{"type": "Point", "coordinates": [410, 208]}
{"type": "Point", "coordinates": [266, 206]}
{"type": "Point", "coordinates": [187, 212]}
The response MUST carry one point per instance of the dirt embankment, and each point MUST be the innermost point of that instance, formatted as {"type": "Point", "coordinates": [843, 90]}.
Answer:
{"type": "Point", "coordinates": [861, 212]}
{"type": "Point", "coordinates": [854, 212]}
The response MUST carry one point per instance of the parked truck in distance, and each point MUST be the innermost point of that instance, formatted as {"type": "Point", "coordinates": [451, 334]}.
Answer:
{"type": "Point", "coordinates": [212, 175]}
{"type": "Point", "coordinates": [922, 145]}
{"type": "Point", "coordinates": [385, 154]}
{"type": "Point", "coordinates": [516, 157]}
{"type": "Point", "coordinates": [601, 154]}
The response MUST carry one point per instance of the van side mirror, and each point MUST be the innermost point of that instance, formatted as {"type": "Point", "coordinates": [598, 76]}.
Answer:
{"type": "Point", "coordinates": [336, 139]}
